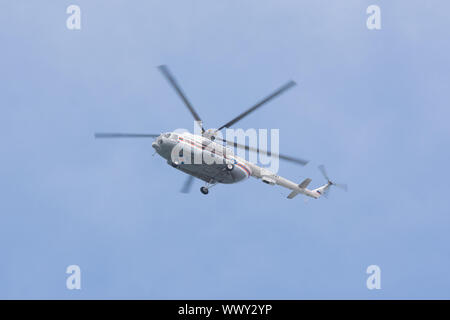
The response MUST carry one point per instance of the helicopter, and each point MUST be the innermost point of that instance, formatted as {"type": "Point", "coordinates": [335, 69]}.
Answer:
{"type": "Point", "coordinates": [215, 160]}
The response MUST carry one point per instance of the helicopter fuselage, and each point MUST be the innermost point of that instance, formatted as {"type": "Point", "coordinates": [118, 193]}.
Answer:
{"type": "Point", "coordinates": [202, 158]}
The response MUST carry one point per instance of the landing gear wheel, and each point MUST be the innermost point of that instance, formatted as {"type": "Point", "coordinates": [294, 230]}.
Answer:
{"type": "Point", "coordinates": [230, 167]}
{"type": "Point", "coordinates": [204, 190]}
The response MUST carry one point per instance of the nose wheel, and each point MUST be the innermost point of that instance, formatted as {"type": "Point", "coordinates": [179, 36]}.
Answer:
{"type": "Point", "coordinates": [204, 190]}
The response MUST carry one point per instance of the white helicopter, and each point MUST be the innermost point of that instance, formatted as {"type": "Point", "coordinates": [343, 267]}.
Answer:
{"type": "Point", "coordinates": [180, 148]}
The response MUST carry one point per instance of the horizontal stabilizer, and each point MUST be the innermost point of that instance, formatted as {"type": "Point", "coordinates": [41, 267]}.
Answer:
{"type": "Point", "coordinates": [305, 183]}
{"type": "Point", "coordinates": [293, 194]}
{"type": "Point", "coordinates": [302, 185]}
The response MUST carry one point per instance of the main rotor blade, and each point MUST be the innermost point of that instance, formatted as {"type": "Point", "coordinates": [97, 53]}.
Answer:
{"type": "Point", "coordinates": [324, 172]}
{"type": "Point", "coordinates": [187, 184]}
{"type": "Point", "coordinates": [268, 153]}
{"type": "Point", "coordinates": [259, 104]}
{"type": "Point", "coordinates": [125, 135]}
{"type": "Point", "coordinates": [165, 71]}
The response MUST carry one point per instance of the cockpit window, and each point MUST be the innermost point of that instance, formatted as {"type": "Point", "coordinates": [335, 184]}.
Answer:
{"type": "Point", "coordinates": [167, 135]}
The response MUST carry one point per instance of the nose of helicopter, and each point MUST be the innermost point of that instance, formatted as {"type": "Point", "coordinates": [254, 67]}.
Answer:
{"type": "Point", "coordinates": [155, 144]}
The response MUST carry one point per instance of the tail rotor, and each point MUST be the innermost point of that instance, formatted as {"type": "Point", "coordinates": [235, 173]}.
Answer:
{"type": "Point", "coordinates": [342, 186]}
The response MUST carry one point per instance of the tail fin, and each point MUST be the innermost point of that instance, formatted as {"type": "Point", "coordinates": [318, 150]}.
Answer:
{"type": "Point", "coordinates": [322, 191]}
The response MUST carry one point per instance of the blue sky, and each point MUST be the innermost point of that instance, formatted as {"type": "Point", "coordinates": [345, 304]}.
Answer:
{"type": "Point", "coordinates": [371, 105]}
